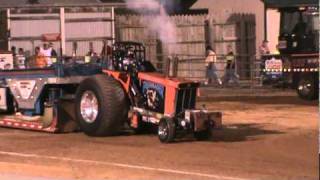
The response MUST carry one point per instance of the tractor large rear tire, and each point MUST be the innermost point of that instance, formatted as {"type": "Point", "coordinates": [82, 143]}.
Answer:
{"type": "Point", "coordinates": [101, 106]}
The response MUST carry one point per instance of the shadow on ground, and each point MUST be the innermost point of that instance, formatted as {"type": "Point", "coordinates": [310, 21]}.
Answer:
{"type": "Point", "coordinates": [229, 133]}
{"type": "Point", "coordinates": [241, 132]}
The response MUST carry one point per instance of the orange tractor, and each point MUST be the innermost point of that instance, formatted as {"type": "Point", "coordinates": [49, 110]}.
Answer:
{"type": "Point", "coordinates": [100, 98]}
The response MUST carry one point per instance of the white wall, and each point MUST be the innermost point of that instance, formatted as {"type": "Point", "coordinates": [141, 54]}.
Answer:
{"type": "Point", "coordinates": [273, 25]}
{"type": "Point", "coordinates": [222, 9]}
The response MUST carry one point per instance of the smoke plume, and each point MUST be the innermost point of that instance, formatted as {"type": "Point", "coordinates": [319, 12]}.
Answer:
{"type": "Point", "coordinates": [160, 24]}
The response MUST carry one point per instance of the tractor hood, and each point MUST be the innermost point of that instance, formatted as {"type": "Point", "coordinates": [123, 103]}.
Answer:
{"type": "Point", "coordinates": [168, 81]}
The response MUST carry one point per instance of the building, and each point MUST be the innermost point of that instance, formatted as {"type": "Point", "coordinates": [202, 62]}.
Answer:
{"type": "Point", "coordinates": [21, 19]}
{"type": "Point", "coordinates": [221, 11]}
{"type": "Point", "coordinates": [199, 23]}
{"type": "Point", "coordinates": [73, 26]}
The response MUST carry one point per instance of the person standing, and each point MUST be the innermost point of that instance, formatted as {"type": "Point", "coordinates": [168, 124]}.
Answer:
{"type": "Point", "coordinates": [13, 51]}
{"type": "Point", "coordinates": [211, 69]}
{"type": "Point", "coordinates": [54, 54]}
{"type": "Point", "coordinates": [14, 55]}
{"type": "Point", "coordinates": [20, 62]}
{"type": "Point", "coordinates": [106, 49]}
{"type": "Point", "coordinates": [264, 51]}
{"type": "Point", "coordinates": [106, 54]}
{"type": "Point", "coordinates": [91, 52]}
{"type": "Point", "coordinates": [264, 48]}
{"type": "Point", "coordinates": [39, 59]}
{"type": "Point", "coordinates": [46, 52]}
{"type": "Point", "coordinates": [230, 73]}
{"type": "Point", "coordinates": [53, 51]}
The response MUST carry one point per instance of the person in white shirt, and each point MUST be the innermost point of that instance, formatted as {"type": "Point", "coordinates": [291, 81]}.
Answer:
{"type": "Point", "coordinates": [46, 52]}
{"type": "Point", "coordinates": [211, 69]}
{"type": "Point", "coordinates": [20, 59]}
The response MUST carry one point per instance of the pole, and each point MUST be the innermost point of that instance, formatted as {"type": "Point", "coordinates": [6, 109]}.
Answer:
{"type": "Point", "coordinates": [8, 29]}
{"type": "Point", "coordinates": [62, 31]}
{"type": "Point", "coordinates": [265, 23]}
{"type": "Point", "coordinates": [113, 25]}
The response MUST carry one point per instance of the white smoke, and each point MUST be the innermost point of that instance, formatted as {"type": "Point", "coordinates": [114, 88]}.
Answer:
{"type": "Point", "coordinates": [160, 24]}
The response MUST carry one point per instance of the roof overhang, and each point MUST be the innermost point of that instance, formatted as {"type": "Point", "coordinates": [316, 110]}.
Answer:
{"type": "Point", "coordinates": [290, 3]}
{"type": "Point", "coordinates": [31, 6]}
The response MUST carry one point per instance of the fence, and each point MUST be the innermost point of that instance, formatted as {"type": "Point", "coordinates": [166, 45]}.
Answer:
{"type": "Point", "coordinates": [190, 30]}
{"type": "Point", "coordinates": [194, 33]}
{"type": "Point", "coordinates": [238, 32]}
{"type": "Point", "coordinates": [193, 67]}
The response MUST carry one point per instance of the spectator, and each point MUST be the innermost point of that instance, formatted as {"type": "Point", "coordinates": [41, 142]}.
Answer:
{"type": "Point", "coordinates": [106, 49]}
{"type": "Point", "coordinates": [54, 54]}
{"type": "Point", "coordinates": [211, 69]}
{"type": "Point", "coordinates": [40, 59]}
{"type": "Point", "coordinates": [230, 73]}
{"type": "Point", "coordinates": [53, 51]}
{"type": "Point", "coordinates": [46, 53]}
{"type": "Point", "coordinates": [264, 48]}
{"type": "Point", "coordinates": [20, 60]}
{"type": "Point", "coordinates": [106, 53]}
{"type": "Point", "coordinates": [13, 51]}
{"type": "Point", "coordinates": [91, 52]}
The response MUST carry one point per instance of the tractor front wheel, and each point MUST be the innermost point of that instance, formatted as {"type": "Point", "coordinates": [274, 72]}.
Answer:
{"type": "Point", "coordinates": [166, 130]}
{"type": "Point", "coordinates": [101, 107]}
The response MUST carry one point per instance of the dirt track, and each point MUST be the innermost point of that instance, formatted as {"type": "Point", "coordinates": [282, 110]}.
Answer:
{"type": "Point", "coordinates": [266, 137]}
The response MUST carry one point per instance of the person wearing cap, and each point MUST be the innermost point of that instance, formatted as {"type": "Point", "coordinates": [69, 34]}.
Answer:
{"type": "Point", "coordinates": [211, 69]}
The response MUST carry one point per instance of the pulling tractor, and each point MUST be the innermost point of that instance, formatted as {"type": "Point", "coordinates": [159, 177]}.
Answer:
{"type": "Point", "coordinates": [100, 97]}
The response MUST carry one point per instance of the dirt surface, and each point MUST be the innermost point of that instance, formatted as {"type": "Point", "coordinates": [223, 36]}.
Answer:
{"type": "Point", "coordinates": [265, 136]}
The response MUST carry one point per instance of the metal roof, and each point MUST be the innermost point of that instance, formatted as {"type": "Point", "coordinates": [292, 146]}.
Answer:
{"type": "Point", "coordinates": [290, 3]}
{"type": "Point", "coordinates": [57, 3]}
{"type": "Point", "coordinates": [172, 6]}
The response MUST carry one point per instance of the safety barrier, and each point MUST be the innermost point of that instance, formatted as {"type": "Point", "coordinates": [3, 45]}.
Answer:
{"type": "Point", "coordinates": [194, 67]}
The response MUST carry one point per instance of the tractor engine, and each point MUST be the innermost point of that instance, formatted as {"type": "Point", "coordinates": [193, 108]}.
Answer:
{"type": "Point", "coordinates": [173, 100]}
